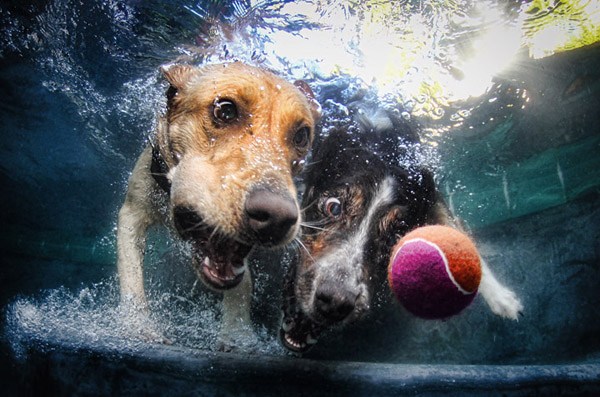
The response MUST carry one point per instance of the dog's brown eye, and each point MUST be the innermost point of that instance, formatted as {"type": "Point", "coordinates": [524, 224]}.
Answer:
{"type": "Point", "coordinates": [333, 207]}
{"type": "Point", "coordinates": [225, 111]}
{"type": "Point", "coordinates": [301, 138]}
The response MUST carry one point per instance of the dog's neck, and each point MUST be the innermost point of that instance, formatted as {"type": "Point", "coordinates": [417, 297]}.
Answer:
{"type": "Point", "coordinates": [159, 170]}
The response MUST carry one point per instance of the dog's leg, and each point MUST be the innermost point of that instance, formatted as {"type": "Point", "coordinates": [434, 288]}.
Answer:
{"type": "Point", "coordinates": [236, 325]}
{"type": "Point", "coordinates": [131, 242]}
{"type": "Point", "coordinates": [501, 300]}
{"type": "Point", "coordinates": [135, 216]}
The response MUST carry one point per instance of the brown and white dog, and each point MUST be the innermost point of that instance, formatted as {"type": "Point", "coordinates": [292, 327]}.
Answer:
{"type": "Point", "coordinates": [220, 171]}
{"type": "Point", "coordinates": [364, 189]}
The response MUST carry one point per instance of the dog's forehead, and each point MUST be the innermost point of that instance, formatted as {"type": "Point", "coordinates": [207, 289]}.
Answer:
{"type": "Point", "coordinates": [342, 182]}
{"type": "Point", "coordinates": [252, 86]}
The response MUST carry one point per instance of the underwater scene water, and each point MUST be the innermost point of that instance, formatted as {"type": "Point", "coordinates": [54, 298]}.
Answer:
{"type": "Point", "coordinates": [505, 95]}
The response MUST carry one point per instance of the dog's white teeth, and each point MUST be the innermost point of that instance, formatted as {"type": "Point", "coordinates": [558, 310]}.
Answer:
{"type": "Point", "coordinates": [310, 340]}
{"type": "Point", "coordinates": [206, 261]}
{"type": "Point", "coordinates": [291, 342]}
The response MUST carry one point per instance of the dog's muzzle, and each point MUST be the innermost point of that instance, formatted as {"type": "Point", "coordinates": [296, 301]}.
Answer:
{"type": "Point", "coordinates": [218, 259]}
{"type": "Point", "coordinates": [333, 304]}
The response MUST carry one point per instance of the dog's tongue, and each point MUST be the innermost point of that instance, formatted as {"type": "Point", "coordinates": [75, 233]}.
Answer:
{"type": "Point", "coordinates": [223, 264]}
{"type": "Point", "coordinates": [222, 274]}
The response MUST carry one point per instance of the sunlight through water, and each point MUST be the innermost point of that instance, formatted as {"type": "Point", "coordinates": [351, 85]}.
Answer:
{"type": "Point", "coordinates": [429, 53]}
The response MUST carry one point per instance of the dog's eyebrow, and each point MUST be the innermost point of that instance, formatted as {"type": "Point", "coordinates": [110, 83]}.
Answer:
{"type": "Point", "coordinates": [383, 196]}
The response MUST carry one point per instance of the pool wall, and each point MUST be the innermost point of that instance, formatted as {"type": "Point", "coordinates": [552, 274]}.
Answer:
{"type": "Point", "coordinates": [171, 371]}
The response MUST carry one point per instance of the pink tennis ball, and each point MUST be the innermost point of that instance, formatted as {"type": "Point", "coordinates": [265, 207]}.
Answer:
{"type": "Point", "coordinates": [434, 271]}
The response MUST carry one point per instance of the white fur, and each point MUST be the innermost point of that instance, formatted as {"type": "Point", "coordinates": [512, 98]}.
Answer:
{"type": "Point", "coordinates": [344, 264]}
{"type": "Point", "coordinates": [501, 300]}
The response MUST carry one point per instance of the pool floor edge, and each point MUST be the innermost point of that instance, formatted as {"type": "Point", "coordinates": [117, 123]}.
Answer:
{"type": "Point", "coordinates": [173, 371]}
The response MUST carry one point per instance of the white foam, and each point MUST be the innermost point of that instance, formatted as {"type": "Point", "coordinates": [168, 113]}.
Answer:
{"type": "Point", "coordinates": [91, 318]}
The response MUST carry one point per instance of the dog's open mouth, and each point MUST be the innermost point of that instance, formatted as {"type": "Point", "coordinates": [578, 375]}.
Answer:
{"type": "Point", "coordinates": [299, 333]}
{"type": "Point", "coordinates": [218, 259]}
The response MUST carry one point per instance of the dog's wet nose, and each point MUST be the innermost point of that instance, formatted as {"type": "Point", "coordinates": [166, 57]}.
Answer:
{"type": "Point", "coordinates": [270, 215]}
{"type": "Point", "coordinates": [334, 305]}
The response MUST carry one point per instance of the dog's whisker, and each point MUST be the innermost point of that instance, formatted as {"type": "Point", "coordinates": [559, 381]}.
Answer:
{"type": "Point", "coordinates": [320, 222]}
{"type": "Point", "coordinates": [192, 228]}
{"type": "Point", "coordinates": [307, 225]}
{"type": "Point", "coordinates": [301, 244]}
{"type": "Point", "coordinates": [312, 163]}
{"type": "Point", "coordinates": [196, 227]}
{"type": "Point", "coordinates": [309, 205]}
{"type": "Point", "coordinates": [215, 233]}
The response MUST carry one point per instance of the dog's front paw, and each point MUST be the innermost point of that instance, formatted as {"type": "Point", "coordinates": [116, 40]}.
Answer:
{"type": "Point", "coordinates": [505, 303]}
{"type": "Point", "coordinates": [244, 343]}
{"type": "Point", "coordinates": [138, 324]}
{"type": "Point", "coordinates": [150, 333]}
{"type": "Point", "coordinates": [228, 346]}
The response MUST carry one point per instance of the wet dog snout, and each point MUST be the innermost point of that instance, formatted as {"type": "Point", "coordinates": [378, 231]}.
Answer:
{"type": "Point", "coordinates": [334, 304]}
{"type": "Point", "coordinates": [270, 215]}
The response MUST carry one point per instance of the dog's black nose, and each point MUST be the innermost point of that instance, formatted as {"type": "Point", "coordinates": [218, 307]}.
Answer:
{"type": "Point", "coordinates": [270, 215]}
{"type": "Point", "coordinates": [334, 305]}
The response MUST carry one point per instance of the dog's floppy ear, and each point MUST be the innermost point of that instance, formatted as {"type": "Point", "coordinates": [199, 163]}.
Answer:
{"type": "Point", "coordinates": [178, 74]}
{"type": "Point", "coordinates": [315, 106]}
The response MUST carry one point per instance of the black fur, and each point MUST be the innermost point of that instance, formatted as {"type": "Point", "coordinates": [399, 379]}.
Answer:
{"type": "Point", "coordinates": [350, 162]}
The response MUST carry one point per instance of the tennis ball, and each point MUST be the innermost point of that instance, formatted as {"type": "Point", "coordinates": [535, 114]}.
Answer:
{"type": "Point", "coordinates": [434, 271]}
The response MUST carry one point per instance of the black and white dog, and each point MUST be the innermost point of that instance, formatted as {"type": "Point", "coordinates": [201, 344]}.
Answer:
{"type": "Point", "coordinates": [364, 189]}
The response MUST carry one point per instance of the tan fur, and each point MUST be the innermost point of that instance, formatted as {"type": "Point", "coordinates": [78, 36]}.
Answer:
{"type": "Point", "coordinates": [213, 165]}
{"type": "Point", "coordinates": [219, 164]}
